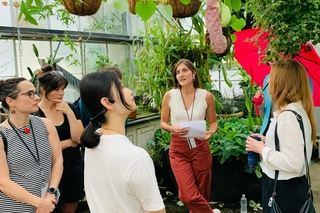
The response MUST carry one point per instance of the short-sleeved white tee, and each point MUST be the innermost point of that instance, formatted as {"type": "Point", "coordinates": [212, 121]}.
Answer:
{"type": "Point", "coordinates": [120, 177]}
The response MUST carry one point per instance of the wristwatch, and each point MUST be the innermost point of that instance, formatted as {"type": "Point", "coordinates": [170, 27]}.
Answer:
{"type": "Point", "coordinates": [52, 190]}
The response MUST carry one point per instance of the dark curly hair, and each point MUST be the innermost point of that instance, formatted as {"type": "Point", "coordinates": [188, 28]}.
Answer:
{"type": "Point", "coordinates": [9, 88]}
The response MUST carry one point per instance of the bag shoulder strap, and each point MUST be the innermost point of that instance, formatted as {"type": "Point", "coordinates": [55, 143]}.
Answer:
{"type": "Point", "coordinates": [5, 143]}
{"type": "Point", "coordinates": [299, 119]}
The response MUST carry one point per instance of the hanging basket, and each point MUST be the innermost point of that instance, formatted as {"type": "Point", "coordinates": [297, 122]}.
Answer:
{"type": "Point", "coordinates": [83, 7]}
{"type": "Point", "coordinates": [132, 6]}
{"type": "Point", "coordinates": [180, 10]}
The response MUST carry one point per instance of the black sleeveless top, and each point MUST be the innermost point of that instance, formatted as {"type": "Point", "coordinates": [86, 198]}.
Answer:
{"type": "Point", "coordinates": [71, 155]}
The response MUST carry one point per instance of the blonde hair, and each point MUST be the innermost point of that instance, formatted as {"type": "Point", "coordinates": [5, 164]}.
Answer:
{"type": "Point", "coordinates": [289, 83]}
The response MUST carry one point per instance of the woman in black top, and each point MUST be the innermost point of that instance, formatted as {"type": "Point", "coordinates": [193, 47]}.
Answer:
{"type": "Point", "coordinates": [68, 124]}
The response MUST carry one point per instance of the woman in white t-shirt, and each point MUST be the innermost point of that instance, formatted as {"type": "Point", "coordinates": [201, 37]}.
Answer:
{"type": "Point", "coordinates": [289, 90]}
{"type": "Point", "coordinates": [119, 176]}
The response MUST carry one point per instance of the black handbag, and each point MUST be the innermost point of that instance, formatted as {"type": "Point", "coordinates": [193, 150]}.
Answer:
{"type": "Point", "coordinates": [308, 205]}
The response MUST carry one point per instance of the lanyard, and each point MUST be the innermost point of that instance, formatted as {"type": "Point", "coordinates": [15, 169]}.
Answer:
{"type": "Point", "coordinates": [194, 97]}
{"type": "Point", "coordinates": [36, 158]}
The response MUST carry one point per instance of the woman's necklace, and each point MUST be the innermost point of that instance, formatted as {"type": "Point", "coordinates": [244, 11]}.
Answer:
{"type": "Point", "coordinates": [194, 97]}
{"type": "Point", "coordinates": [26, 129]}
{"type": "Point", "coordinates": [36, 156]}
{"type": "Point", "coordinates": [113, 130]}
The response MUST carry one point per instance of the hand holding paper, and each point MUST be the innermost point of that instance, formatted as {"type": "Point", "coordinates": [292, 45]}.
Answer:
{"type": "Point", "coordinates": [196, 129]}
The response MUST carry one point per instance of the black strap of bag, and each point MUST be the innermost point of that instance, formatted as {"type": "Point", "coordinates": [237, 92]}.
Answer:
{"type": "Point", "coordinates": [299, 119]}
{"type": "Point", "coordinates": [5, 143]}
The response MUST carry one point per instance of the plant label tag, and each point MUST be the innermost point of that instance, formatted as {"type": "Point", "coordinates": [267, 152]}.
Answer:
{"type": "Point", "coordinates": [192, 143]}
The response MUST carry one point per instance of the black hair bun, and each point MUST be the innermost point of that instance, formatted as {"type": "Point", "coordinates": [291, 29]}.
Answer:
{"type": "Point", "coordinates": [47, 68]}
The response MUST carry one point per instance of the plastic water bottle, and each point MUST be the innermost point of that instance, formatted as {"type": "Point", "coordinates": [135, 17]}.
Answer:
{"type": "Point", "coordinates": [243, 203]}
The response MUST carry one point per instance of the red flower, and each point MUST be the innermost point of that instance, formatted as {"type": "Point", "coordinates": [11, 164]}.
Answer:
{"type": "Point", "coordinates": [26, 130]}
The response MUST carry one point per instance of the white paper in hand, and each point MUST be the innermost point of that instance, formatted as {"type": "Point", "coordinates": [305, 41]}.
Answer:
{"type": "Point", "coordinates": [197, 129]}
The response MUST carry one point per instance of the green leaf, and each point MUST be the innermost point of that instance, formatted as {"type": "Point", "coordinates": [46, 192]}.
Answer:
{"type": "Point", "coordinates": [236, 5]}
{"type": "Point", "coordinates": [233, 37]}
{"type": "Point", "coordinates": [57, 60]}
{"type": "Point", "coordinates": [237, 24]}
{"type": "Point", "coordinates": [166, 11]}
{"type": "Point", "coordinates": [29, 3]}
{"type": "Point", "coordinates": [30, 19]}
{"type": "Point", "coordinates": [225, 76]}
{"type": "Point", "coordinates": [225, 14]}
{"type": "Point", "coordinates": [30, 72]}
{"type": "Point", "coordinates": [20, 16]}
{"type": "Point", "coordinates": [34, 10]}
{"type": "Point", "coordinates": [39, 3]}
{"type": "Point", "coordinates": [121, 5]}
{"type": "Point", "coordinates": [35, 50]}
{"type": "Point", "coordinates": [229, 4]}
{"type": "Point", "coordinates": [23, 7]}
{"type": "Point", "coordinates": [196, 23]}
{"type": "Point", "coordinates": [185, 2]}
{"type": "Point", "coordinates": [145, 9]}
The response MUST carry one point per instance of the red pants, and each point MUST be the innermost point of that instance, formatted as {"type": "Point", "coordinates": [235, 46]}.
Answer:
{"type": "Point", "coordinates": [192, 169]}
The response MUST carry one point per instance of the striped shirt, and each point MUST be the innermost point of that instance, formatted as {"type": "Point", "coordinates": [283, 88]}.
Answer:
{"type": "Point", "coordinates": [23, 167]}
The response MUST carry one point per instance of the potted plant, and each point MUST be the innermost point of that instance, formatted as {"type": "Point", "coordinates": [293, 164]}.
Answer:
{"type": "Point", "coordinates": [229, 176]}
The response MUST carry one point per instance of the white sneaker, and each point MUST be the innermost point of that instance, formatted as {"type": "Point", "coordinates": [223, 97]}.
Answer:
{"type": "Point", "coordinates": [216, 211]}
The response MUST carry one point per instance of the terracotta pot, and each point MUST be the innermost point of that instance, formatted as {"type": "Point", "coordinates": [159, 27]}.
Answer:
{"type": "Point", "coordinates": [132, 6]}
{"type": "Point", "coordinates": [82, 8]}
{"type": "Point", "coordinates": [181, 11]}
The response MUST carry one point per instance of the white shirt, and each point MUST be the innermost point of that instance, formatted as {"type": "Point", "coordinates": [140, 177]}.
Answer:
{"type": "Point", "coordinates": [197, 111]}
{"type": "Point", "coordinates": [120, 178]}
{"type": "Point", "coordinates": [290, 160]}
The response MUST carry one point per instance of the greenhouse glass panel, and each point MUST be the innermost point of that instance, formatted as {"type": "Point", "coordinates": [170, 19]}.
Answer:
{"type": "Point", "coordinates": [7, 62]}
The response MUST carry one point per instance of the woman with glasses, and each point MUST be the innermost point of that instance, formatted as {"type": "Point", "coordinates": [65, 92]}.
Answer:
{"type": "Point", "coordinates": [67, 121]}
{"type": "Point", "coordinates": [30, 155]}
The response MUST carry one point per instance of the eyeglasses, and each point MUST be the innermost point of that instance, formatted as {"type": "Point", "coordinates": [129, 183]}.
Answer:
{"type": "Point", "coordinates": [30, 93]}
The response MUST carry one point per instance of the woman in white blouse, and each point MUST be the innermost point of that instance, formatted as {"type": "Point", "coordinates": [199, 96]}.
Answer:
{"type": "Point", "coordinates": [190, 158]}
{"type": "Point", "coordinates": [289, 90]}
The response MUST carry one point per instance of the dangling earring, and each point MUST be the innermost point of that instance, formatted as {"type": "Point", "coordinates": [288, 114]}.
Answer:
{"type": "Point", "coordinates": [194, 78]}
{"type": "Point", "coordinates": [13, 111]}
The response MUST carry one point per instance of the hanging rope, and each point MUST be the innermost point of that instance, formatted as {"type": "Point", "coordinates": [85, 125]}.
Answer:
{"type": "Point", "coordinates": [20, 48]}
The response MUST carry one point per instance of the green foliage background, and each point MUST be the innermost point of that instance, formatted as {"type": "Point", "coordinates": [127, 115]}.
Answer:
{"type": "Point", "coordinates": [290, 23]}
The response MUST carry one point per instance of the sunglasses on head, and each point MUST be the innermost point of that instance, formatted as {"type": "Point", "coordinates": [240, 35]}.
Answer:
{"type": "Point", "coordinates": [55, 72]}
